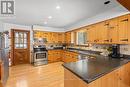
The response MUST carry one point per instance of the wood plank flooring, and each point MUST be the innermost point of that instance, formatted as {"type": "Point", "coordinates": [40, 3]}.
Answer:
{"type": "Point", "coordinates": [51, 75]}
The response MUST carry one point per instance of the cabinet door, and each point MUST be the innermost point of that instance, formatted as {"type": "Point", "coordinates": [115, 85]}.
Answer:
{"type": "Point", "coordinates": [105, 26]}
{"type": "Point", "coordinates": [68, 37]}
{"type": "Point", "coordinates": [123, 29]}
{"type": "Point", "coordinates": [99, 33]}
{"type": "Point", "coordinates": [113, 31]}
{"type": "Point", "coordinates": [91, 34]}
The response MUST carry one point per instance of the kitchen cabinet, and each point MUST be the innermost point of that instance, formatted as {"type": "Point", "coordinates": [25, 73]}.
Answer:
{"type": "Point", "coordinates": [61, 55]}
{"type": "Point", "coordinates": [70, 57]}
{"type": "Point", "coordinates": [99, 34]}
{"type": "Point", "coordinates": [109, 31]}
{"type": "Point", "coordinates": [61, 38]}
{"type": "Point", "coordinates": [91, 34]}
{"type": "Point", "coordinates": [113, 31]}
{"type": "Point", "coordinates": [52, 37]}
{"type": "Point", "coordinates": [54, 56]}
{"type": "Point", "coordinates": [116, 78]}
{"type": "Point", "coordinates": [123, 30]}
{"type": "Point", "coordinates": [68, 37]}
{"type": "Point", "coordinates": [105, 26]}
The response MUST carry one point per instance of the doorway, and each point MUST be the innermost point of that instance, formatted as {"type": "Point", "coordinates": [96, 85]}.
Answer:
{"type": "Point", "coordinates": [20, 46]}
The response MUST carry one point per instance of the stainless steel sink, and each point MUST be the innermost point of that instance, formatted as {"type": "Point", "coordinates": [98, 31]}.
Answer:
{"type": "Point", "coordinates": [82, 57]}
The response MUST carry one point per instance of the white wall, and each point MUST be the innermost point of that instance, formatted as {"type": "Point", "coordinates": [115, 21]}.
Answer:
{"type": "Point", "coordinates": [9, 26]}
{"type": "Point", "coordinates": [115, 12]}
{"type": "Point", "coordinates": [51, 29]}
{"type": "Point", "coordinates": [1, 27]}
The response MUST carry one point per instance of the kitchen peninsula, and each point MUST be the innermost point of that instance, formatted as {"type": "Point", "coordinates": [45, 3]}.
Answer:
{"type": "Point", "coordinates": [99, 72]}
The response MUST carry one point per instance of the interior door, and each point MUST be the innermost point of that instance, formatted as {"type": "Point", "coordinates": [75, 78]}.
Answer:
{"type": "Point", "coordinates": [21, 46]}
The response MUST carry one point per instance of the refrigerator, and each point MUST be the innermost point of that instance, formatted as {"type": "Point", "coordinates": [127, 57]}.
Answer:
{"type": "Point", "coordinates": [4, 57]}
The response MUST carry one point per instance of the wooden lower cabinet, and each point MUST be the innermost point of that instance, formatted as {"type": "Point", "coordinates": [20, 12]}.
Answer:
{"type": "Point", "coordinates": [70, 56]}
{"type": "Point", "coordinates": [54, 56]}
{"type": "Point", "coordinates": [116, 78]}
{"type": "Point", "coordinates": [61, 55]}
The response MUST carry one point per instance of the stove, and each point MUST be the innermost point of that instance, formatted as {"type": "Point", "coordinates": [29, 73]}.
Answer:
{"type": "Point", "coordinates": [40, 56]}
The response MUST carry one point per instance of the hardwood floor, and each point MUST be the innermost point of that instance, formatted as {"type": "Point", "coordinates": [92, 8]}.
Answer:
{"type": "Point", "coordinates": [51, 75]}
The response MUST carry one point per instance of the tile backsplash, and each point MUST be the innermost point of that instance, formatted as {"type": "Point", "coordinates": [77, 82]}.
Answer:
{"type": "Point", "coordinates": [125, 49]}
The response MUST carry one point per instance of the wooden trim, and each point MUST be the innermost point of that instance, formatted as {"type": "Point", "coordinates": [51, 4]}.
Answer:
{"type": "Point", "coordinates": [125, 3]}
{"type": "Point", "coordinates": [12, 46]}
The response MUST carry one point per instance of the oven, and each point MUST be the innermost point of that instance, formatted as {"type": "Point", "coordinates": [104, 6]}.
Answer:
{"type": "Point", "coordinates": [40, 55]}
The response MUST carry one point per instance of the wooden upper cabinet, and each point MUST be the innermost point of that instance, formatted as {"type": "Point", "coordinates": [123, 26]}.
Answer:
{"type": "Point", "coordinates": [123, 29]}
{"type": "Point", "coordinates": [104, 32]}
{"type": "Point", "coordinates": [125, 3]}
{"type": "Point", "coordinates": [99, 33]}
{"type": "Point", "coordinates": [52, 37]}
{"type": "Point", "coordinates": [91, 34]}
{"type": "Point", "coordinates": [113, 31]}
{"type": "Point", "coordinates": [68, 37]}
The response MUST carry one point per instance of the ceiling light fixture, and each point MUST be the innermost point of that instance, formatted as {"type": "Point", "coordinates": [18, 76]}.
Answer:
{"type": "Point", "coordinates": [45, 22]}
{"type": "Point", "coordinates": [58, 7]}
{"type": "Point", "coordinates": [50, 17]}
{"type": "Point", "coordinates": [107, 2]}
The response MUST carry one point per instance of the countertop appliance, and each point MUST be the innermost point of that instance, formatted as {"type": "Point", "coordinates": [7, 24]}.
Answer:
{"type": "Point", "coordinates": [116, 51]}
{"type": "Point", "coordinates": [40, 56]}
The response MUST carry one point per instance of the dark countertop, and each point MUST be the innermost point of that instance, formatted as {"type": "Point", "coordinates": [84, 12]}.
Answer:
{"type": "Point", "coordinates": [80, 51]}
{"type": "Point", "coordinates": [92, 69]}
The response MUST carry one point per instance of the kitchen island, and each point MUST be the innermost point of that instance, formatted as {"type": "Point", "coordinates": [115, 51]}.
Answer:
{"type": "Point", "coordinates": [99, 72]}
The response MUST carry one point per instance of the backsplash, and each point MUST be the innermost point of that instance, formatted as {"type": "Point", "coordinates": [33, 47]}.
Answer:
{"type": "Point", "coordinates": [125, 49]}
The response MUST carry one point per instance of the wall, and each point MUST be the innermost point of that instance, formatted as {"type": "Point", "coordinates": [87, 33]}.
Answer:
{"type": "Point", "coordinates": [115, 12]}
{"type": "Point", "coordinates": [9, 26]}
{"type": "Point", "coordinates": [42, 28]}
{"type": "Point", "coordinates": [1, 27]}
{"type": "Point", "coordinates": [125, 49]}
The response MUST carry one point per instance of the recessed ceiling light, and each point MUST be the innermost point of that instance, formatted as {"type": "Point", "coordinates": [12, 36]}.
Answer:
{"type": "Point", "coordinates": [50, 17]}
{"type": "Point", "coordinates": [58, 7]}
{"type": "Point", "coordinates": [45, 22]}
{"type": "Point", "coordinates": [107, 2]}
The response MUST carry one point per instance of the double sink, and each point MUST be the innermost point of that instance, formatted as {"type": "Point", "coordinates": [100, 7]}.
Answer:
{"type": "Point", "coordinates": [85, 54]}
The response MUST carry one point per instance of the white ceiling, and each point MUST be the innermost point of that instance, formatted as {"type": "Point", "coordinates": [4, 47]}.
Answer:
{"type": "Point", "coordinates": [36, 12]}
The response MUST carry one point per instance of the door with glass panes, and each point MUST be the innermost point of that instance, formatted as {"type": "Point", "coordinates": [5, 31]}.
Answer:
{"type": "Point", "coordinates": [20, 46]}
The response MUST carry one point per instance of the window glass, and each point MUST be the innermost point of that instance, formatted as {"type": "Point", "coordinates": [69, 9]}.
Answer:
{"type": "Point", "coordinates": [81, 38]}
{"type": "Point", "coordinates": [20, 40]}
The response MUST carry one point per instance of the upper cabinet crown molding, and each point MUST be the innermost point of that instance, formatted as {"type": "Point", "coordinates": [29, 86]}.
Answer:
{"type": "Point", "coordinates": [125, 3]}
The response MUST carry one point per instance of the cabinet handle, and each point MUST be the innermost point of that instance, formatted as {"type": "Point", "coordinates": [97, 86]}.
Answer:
{"type": "Point", "coordinates": [106, 40]}
{"type": "Point", "coordinates": [111, 27]}
{"type": "Point", "coordinates": [124, 20]}
{"type": "Point", "coordinates": [107, 24]}
{"type": "Point", "coordinates": [124, 40]}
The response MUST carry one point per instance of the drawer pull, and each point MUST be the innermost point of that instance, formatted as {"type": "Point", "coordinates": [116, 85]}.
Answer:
{"type": "Point", "coordinates": [124, 20]}
{"type": "Point", "coordinates": [124, 40]}
{"type": "Point", "coordinates": [106, 40]}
